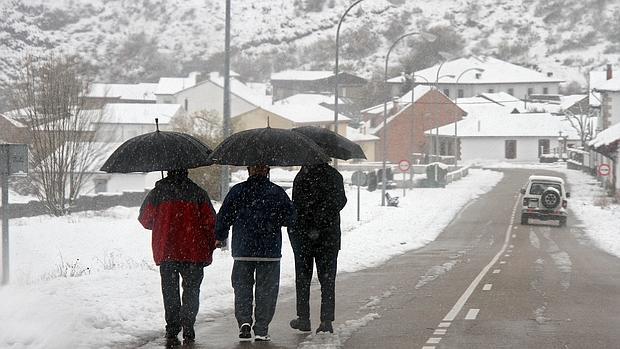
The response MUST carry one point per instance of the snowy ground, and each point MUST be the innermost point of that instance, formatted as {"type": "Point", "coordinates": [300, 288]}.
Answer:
{"type": "Point", "coordinates": [89, 281]}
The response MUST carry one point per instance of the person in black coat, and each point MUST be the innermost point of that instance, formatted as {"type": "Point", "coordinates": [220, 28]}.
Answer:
{"type": "Point", "coordinates": [318, 197]}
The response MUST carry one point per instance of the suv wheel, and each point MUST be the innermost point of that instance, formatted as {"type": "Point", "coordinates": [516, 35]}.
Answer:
{"type": "Point", "coordinates": [550, 198]}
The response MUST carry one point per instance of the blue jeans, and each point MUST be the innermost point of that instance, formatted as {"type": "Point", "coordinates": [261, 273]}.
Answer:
{"type": "Point", "coordinates": [266, 276]}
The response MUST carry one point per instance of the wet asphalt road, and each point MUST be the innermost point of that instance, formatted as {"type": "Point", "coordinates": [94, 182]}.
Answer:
{"type": "Point", "coordinates": [486, 282]}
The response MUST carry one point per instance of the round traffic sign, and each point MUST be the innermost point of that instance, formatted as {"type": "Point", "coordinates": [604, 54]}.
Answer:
{"type": "Point", "coordinates": [603, 170]}
{"type": "Point", "coordinates": [403, 165]}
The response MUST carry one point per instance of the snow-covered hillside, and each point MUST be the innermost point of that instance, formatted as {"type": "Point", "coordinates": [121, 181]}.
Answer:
{"type": "Point", "coordinates": [128, 40]}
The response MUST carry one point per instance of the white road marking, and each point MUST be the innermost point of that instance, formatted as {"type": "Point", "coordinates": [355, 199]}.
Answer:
{"type": "Point", "coordinates": [472, 314]}
{"type": "Point", "coordinates": [497, 271]}
{"type": "Point", "coordinates": [502, 262]}
{"type": "Point", "coordinates": [444, 324]}
{"type": "Point", "coordinates": [511, 246]}
{"type": "Point", "coordinates": [433, 340]}
{"type": "Point", "coordinates": [474, 284]}
{"type": "Point", "coordinates": [487, 287]}
{"type": "Point", "coordinates": [514, 236]}
{"type": "Point", "coordinates": [440, 332]}
{"type": "Point", "coordinates": [428, 347]}
{"type": "Point", "coordinates": [506, 255]}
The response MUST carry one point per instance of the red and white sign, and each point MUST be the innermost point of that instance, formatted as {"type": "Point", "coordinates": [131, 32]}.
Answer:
{"type": "Point", "coordinates": [403, 165]}
{"type": "Point", "coordinates": [603, 170]}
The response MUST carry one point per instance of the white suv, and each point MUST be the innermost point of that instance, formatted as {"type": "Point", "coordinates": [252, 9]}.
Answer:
{"type": "Point", "coordinates": [544, 198]}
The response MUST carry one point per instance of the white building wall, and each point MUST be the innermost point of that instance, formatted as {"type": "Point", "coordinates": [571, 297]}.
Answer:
{"type": "Point", "coordinates": [614, 103]}
{"type": "Point", "coordinates": [493, 148]}
{"type": "Point", "coordinates": [123, 132]}
{"type": "Point", "coordinates": [120, 182]}
{"type": "Point", "coordinates": [208, 96]}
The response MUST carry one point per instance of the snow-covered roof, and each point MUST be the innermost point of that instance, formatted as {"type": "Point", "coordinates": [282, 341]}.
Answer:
{"type": "Point", "coordinates": [356, 135]}
{"type": "Point", "coordinates": [170, 86]}
{"type": "Point", "coordinates": [12, 121]}
{"type": "Point", "coordinates": [506, 100]}
{"type": "Point", "coordinates": [495, 71]}
{"type": "Point", "coordinates": [304, 114]}
{"type": "Point", "coordinates": [611, 85]}
{"type": "Point", "coordinates": [241, 90]}
{"type": "Point", "coordinates": [310, 98]}
{"type": "Point", "coordinates": [607, 136]}
{"type": "Point", "coordinates": [512, 125]}
{"type": "Point", "coordinates": [141, 91]}
{"type": "Point", "coordinates": [302, 75]}
{"type": "Point", "coordinates": [138, 113]}
{"type": "Point", "coordinates": [403, 101]}
{"type": "Point", "coordinates": [480, 106]}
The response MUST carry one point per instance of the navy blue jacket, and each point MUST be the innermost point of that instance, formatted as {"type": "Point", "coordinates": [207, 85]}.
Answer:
{"type": "Point", "coordinates": [257, 210]}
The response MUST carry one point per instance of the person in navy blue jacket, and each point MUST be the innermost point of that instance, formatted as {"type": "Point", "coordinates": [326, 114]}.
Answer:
{"type": "Point", "coordinates": [257, 210]}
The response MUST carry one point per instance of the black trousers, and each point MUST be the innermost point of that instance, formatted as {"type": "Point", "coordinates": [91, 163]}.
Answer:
{"type": "Point", "coordinates": [181, 311]}
{"type": "Point", "coordinates": [326, 266]}
{"type": "Point", "coordinates": [266, 276]}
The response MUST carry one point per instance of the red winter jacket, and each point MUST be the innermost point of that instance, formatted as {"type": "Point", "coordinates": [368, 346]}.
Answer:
{"type": "Point", "coordinates": [182, 219]}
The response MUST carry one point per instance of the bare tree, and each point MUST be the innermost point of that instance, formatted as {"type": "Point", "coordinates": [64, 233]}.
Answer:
{"type": "Point", "coordinates": [48, 96]}
{"type": "Point", "coordinates": [206, 126]}
{"type": "Point", "coordinates": [583, 119]}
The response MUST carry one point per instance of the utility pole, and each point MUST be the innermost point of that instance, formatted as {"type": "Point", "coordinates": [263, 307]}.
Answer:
{"type": "Point", "coordinates": [225, 181]}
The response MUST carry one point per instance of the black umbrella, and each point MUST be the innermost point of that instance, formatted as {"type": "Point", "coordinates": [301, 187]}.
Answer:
{"type": "Point", "coordinates": [268, 146]}
{"type": "Point", "coordinates": [332, 143]}
{"type": "Point", "coordinates": [158, 151]}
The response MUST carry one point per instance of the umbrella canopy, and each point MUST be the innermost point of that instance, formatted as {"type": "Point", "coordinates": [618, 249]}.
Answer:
{"type": "Point", "coordinates": [332, 143]}
{"type": "Point", "coordinates": [268, 146]}
{"type": "Point", "coordinates": [158, 151]}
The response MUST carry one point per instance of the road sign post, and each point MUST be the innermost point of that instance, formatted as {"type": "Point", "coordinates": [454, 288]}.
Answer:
{"type": "Point", "coordinates": [358, 178]}
{"type": "Point", "coordinates": [13, 161]}
{"type": "Point", "coordinates": [403, 166]}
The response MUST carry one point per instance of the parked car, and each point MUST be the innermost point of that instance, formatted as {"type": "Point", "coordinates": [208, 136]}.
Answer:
{"type": "Point", "coordinates": [544, 198]}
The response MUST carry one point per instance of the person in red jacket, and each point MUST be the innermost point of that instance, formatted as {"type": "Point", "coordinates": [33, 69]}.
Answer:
{"type": "Point", "coordinates": [182, 220]}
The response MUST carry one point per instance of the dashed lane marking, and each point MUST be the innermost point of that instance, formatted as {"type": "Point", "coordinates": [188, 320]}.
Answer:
{"type": "Point", "coordinates": [474, 284]}
{"type": "Point", "coordinates": [428, 347]}
{"type": "Point", "coordinates": [497, 271]}
{"type": "Point", "coordinates": [444, 324]}
{"type": "Point", "coordinates": [433, 340]}
{"type": "Point", "coordinates": [487, 287]}
{"type": "Point", "coordinates": [472, 314]}
{"type": "Point", "coordinates": [440, 332]}
{"type": "Point", "coordinates": [502, 262]}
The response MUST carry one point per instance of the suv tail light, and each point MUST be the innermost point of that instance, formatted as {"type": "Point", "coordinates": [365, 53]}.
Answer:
{"type": "Point", "coordinates": [525, 201]}
{"type": "Point", "coordinates": [564, 203]}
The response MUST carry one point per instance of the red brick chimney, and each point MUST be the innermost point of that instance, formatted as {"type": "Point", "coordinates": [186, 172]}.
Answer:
{"type": "Point", "coordinates": [609, 72]}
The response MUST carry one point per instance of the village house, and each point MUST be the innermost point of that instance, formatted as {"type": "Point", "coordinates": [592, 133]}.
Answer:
{"type": "Point", "coordinates": [510, 137]}
{"type": "Point", "coordinates": [292, 82]}
{"type": "Point", "coordinates": [493, 75]}
{"type": "Point", "coordinates": [121, 121]}
{"type": "Point", "coordinates": [13, 131]}
{"type": "Point", "coordinates": [103, 93]}
{"type": "Point", "coordinates": [406, 123]}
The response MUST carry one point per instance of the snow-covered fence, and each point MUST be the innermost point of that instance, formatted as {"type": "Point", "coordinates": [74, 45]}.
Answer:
{"type": "Point", "coordinates": [458, 174]}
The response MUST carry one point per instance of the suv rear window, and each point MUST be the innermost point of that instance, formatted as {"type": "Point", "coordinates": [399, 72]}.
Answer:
{"type": "Point", "coordinates": [537, 188]}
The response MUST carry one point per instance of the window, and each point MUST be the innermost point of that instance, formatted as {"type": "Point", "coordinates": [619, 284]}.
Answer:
{"type": "Point", "coordinates": [101, 185]}
{"type": "Point", "coordinates": [545, 90]}
{"type": "Point", "coordinates": [461, 93]}
{"type": "Point", "coordinates": [491, 90]}
{"type": "Point", "coordinates": [510, 149]}
{"type": "Point", "coordinates": [530, 91]}
{"type": "Point", "coordinates": [446, 92]}
{"type": "Point", "coordinates": [511, 91]}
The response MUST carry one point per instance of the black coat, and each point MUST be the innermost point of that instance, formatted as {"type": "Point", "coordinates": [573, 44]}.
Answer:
{"type": "Point", "coordinates": [318, 196]}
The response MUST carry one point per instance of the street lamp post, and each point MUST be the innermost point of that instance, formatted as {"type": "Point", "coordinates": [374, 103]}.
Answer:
{"type": "Point", "coordinates": [456, 101]}
{"type": "Point", "coordinates": [427, 36]}
{"type": "Point", "coordinates": [436, 138]}
{"type": "Point", "coordinates": [336, 72]}
{"type": "Point", "coordinates": [224, 181]}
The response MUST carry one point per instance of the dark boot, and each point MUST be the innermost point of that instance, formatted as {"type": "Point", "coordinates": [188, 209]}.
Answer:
{"type": "Point", "coordinates": [302, 324]}
{"type": "Point", "coordinates": [325, 326]}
